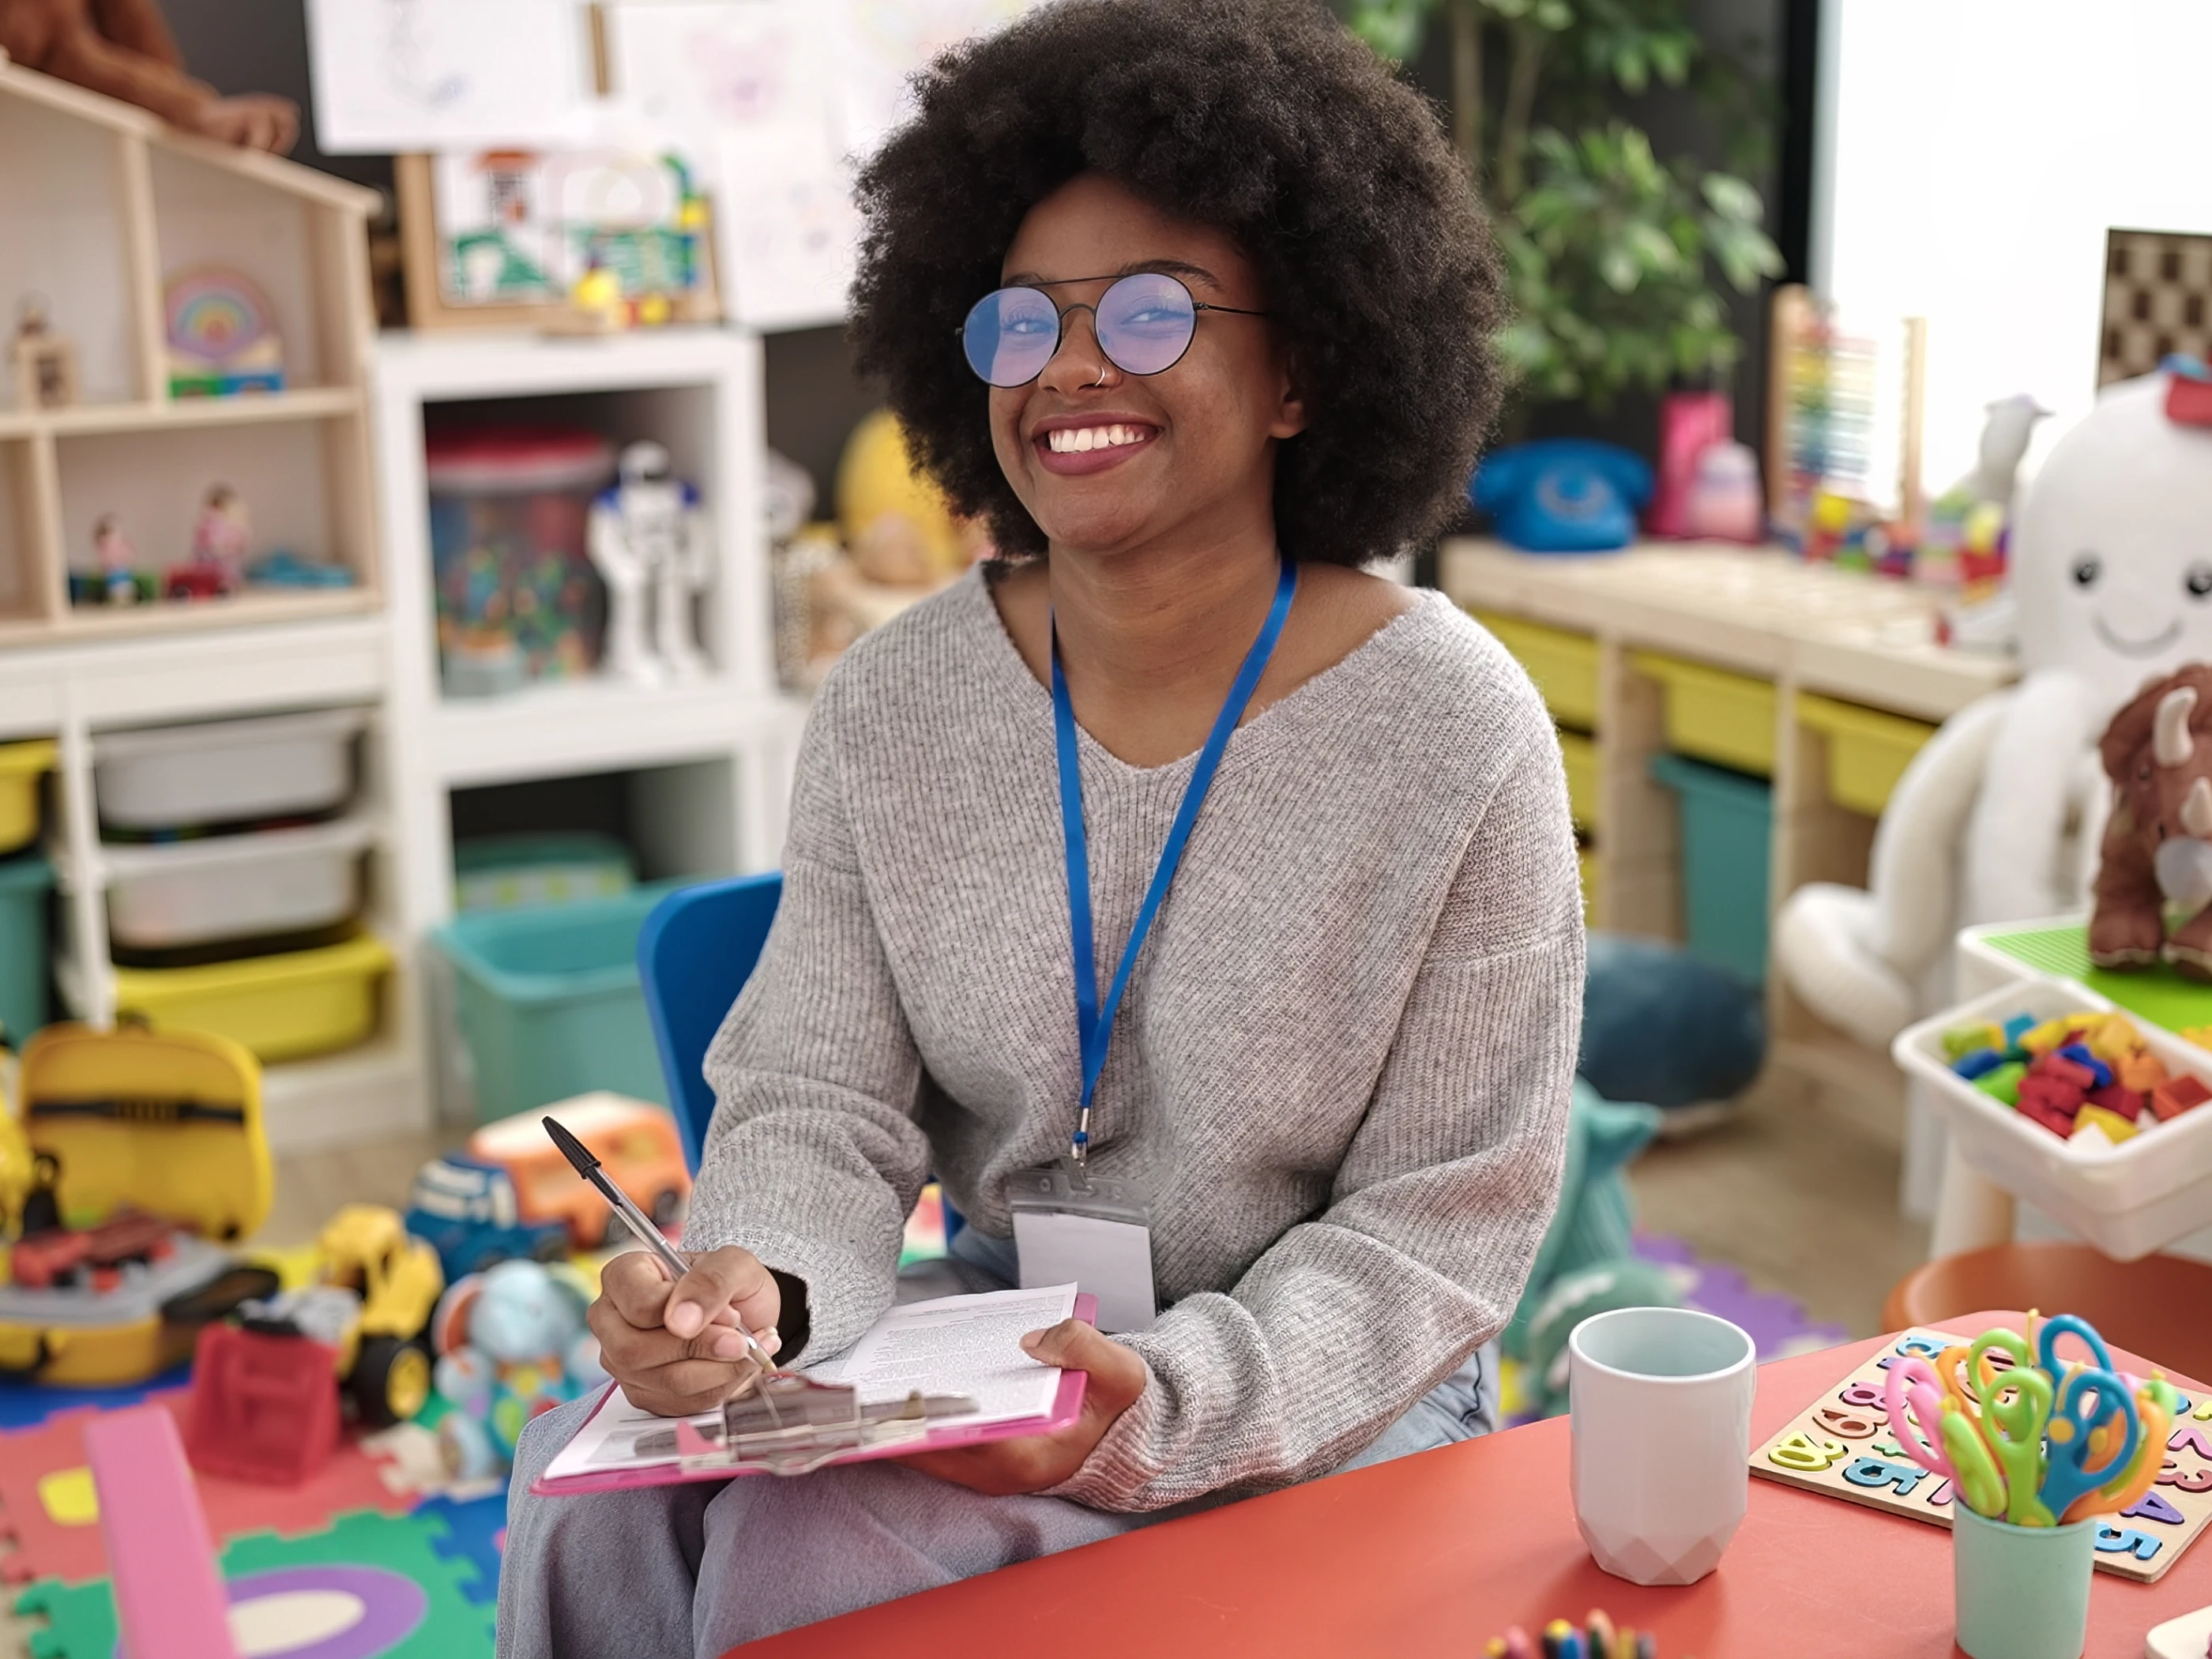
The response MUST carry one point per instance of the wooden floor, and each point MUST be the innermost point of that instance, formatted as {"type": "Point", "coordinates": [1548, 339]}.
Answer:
{"type": "Point", "coordinates": [1800, 1200]}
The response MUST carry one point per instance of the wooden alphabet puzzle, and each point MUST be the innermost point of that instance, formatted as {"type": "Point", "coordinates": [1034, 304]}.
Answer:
{"type": "Point", "coordinates": [1841, 1445]}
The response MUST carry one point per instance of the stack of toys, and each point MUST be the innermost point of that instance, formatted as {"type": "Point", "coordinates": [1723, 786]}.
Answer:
{"type": "Point", "coordinates": [2085, 1076]}
{"type": "Point", "coordinates": [1597, 1639]}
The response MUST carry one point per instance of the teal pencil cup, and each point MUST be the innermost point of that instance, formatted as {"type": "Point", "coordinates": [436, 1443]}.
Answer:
{"type": "Point", "coordinates": [2023, 1592]}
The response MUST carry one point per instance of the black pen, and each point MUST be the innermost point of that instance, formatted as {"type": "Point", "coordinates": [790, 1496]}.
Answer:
{"type": "Point", "coordinates": [588, 1167]}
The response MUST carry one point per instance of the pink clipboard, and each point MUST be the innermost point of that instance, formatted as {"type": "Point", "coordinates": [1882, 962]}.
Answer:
{"type": "Point", "coordinates": [1067, 1406]}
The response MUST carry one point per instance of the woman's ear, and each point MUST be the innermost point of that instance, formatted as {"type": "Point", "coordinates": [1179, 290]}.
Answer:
{"type": "Point", "coordinates": [1290, 412]}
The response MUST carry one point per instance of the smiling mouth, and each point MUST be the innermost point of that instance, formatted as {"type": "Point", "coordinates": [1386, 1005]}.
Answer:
{"type": "Point", "coordinates": [2150, 647]}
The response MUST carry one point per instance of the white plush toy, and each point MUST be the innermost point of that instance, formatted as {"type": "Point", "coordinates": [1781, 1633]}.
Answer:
{"type": "Point", "coordinates": [1999, 817]}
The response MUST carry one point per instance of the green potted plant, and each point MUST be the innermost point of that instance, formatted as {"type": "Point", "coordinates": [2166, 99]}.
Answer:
{"type": "Point", "coordinates": [1616, 256]}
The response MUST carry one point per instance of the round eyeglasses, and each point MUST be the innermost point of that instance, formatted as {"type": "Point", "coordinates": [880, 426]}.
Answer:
{"type": "Point", "coordinates": [1144, 323]}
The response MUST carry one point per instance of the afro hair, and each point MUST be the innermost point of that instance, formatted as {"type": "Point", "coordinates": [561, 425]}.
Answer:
{"type": "Point", "coordinates": [1265, 120]}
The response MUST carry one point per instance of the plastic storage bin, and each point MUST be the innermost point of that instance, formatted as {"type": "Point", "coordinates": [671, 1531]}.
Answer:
{"type": "Point", "coordinates": [1867, 750]}
{"type": "Point", "coordinates": [22, 765]}
{"type": "Point", "coordinates": [1728, 823]}
{"type": "Point", "coordinates": [509, 872]}
{"type": "Point", "coordinates": [235, 887]}
{"type": "Point", "coordinates": [1713, 714]}
{"type": "Point", "coordinates": [2151, 1189]}
{"type": "Point", "coordinates": [550, 1004]}
{"type": "Point", "coordinates": [1563, 664]}
{"type": "Point", "coordinates": [225, 772]}
{"type": "Point", "coordinates": [286, 1006]}
{"type": "Point", "coordinates": [24, 884]}
{"type": "Point", "coordinates": [1580, 754]}
{"type": "Point", "coordinates": [518, 597]}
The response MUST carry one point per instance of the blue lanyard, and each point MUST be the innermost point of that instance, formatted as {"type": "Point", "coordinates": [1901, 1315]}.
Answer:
{"type": "Point", "coordinates": [1094, 1024]}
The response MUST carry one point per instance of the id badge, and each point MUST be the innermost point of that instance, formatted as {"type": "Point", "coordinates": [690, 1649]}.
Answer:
{"type": "Point", "coordinates": [1071, 1224]}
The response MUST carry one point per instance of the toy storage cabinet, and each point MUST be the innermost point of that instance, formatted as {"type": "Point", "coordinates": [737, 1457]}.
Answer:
{"type": "Point", "coordinates": [1820, 680]}
{"type": "Point", "coordinates": [119, 202]}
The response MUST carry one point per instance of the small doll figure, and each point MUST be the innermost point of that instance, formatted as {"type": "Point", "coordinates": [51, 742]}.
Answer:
{"type": "Point", "coordinates": [219, 538]}
{"type": "Point", "coordinates": [119, 560]}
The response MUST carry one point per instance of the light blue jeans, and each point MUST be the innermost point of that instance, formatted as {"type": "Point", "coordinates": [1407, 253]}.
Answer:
{"type": "Point", "coordinates": [690, 1572]}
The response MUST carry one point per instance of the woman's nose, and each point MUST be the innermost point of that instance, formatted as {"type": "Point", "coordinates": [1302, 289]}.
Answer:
{"type": "Point", "coordinates": [1079, 363]}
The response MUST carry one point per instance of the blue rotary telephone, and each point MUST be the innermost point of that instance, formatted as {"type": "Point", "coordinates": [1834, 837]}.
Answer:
{"type": "Point", "coordinates": [1563, 495]}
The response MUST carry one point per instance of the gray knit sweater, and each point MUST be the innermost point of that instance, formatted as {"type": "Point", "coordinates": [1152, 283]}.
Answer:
{"type": "Point", "coordinates": [1342, 1063]}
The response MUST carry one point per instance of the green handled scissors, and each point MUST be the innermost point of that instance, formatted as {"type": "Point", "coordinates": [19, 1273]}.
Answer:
{"type": "Point", "coordinates": [2015, 1410]}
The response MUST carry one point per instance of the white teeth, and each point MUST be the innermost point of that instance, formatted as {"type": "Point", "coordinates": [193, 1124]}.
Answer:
{"type": "Point", "coordinates": [1077, 439]}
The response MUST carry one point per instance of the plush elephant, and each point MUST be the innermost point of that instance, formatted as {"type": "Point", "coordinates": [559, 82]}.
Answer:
{"type": "Point", "coordinates": [2157, 848]}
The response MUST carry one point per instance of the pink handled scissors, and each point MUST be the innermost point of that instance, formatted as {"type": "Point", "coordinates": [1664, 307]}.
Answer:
{"type": "Point", "coordinates": [1913, 1381]}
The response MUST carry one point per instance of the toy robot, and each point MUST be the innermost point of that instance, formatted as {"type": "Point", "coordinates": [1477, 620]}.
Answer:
{"type": "Point", "coordinates": [649, 542]}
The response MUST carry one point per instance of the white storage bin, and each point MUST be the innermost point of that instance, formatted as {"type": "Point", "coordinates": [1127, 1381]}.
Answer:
{"type": "Point", "coordinates": [2151, 1189]}
{"type": "Point", "coordinates": [227, 772]}
{"type": "Point", "coordinates": [197, 892]}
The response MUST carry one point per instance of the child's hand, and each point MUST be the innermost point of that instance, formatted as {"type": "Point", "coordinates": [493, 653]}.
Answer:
{"type": "Point", "coordinates": [1032, 1462]}
{"type": "Point", "coordinates": [670, 1345]}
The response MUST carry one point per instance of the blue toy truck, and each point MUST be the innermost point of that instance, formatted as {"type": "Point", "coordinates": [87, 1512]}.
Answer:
{"type": "Point", "coordinates": [465, 1209]}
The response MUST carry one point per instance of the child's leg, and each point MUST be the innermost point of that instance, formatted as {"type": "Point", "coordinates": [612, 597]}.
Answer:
{"type": "Point", "coordinates": [608, 1573]}
{"type": "Point", "coordinates": [785, 1552]}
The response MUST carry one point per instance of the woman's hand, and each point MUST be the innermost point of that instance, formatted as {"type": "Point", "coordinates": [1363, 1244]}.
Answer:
{"type": "Point", "coordinates": [670, 1343]}
{"type": "Point", "coordinates": [1032, 1462]}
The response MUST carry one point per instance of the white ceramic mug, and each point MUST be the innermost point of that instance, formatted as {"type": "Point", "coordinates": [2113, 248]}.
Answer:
{"type": "Point", "coordinates": [1661, 1400]}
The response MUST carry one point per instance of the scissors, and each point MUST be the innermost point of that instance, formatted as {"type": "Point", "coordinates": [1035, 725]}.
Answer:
{"type": "Point", "coordinates": [2015, 1409]}
{"type": "Point", "coordinates": [1912, 1382]}
{"type": "Point", "coordinates": [2086, 1405]}
{"type": "Point", "coordinates": [2046, 1346]}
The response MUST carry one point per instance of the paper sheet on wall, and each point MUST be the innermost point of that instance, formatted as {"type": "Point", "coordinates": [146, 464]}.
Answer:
{"type": "Point", "coordinates": [880, 44]}
{"type": "Point", "coordinates": [415, 74]}
{"type": "Point", "coordinates": [789, 231]}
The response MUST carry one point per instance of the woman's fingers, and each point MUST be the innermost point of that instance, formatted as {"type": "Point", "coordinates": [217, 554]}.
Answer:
{"type": "Point", "coordinates": [1116, 1372]}
{"type": "Point", "coordinates": [726, 1279]}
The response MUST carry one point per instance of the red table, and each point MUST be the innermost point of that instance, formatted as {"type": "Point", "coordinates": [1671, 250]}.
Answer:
{"type": "Point", "coordinates": [1433, 1554]}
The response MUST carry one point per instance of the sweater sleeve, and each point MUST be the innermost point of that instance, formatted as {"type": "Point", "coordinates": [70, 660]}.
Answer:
{"type": "Point", "coordinates": [813, 1159]}
{"type": "Point", "coordinates": [1436, 1213]}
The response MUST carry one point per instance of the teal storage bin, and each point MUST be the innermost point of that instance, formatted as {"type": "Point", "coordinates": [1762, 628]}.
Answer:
{"type": "Point", "coordinates": [550, 1004]}
{"type": "Point", "coordinates": [24, 884]}
{"type": "Point", "coordinates": [1728, 828]}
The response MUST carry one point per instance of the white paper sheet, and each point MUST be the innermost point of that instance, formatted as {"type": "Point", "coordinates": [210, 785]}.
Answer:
{"type": "Point", "coordinates": [409, 75]}
{"type": "Point", "coordinates": [789, 233]}
{"type": "Point", "coordinates": [968, 1345]}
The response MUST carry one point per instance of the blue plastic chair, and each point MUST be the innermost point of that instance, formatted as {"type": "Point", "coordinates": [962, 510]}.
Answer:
{"type": "Point", "coordinates": [695, 953]}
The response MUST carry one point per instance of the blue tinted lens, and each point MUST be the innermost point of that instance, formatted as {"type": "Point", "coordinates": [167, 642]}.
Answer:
{"type": "Point", "coordinates": [1011, 335]}
{"type": "Point", "coordinates": [1145, 322]}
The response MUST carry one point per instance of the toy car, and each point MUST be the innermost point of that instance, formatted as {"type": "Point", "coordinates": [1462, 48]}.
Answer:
{"type": "Point", "coordinates": [635, 1141]}
{"type": "Point", "coordinates": [371, 1302]}
{"type": "Point", "coordinates": [466, 1211]}
{"type": "Point", "coordinates": [90, 1257]}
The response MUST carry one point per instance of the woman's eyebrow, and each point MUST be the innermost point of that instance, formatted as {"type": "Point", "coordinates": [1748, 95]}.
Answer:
{"type": "Point", "coordinates": [1165, 267]}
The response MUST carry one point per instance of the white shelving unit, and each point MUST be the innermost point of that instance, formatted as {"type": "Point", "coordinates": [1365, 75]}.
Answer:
{"type": "Point", "coordinates": [709, 760]}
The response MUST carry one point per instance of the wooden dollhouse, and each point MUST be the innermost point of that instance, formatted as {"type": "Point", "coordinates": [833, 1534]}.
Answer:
{"type": "Point", "coordinates": [151, 242]}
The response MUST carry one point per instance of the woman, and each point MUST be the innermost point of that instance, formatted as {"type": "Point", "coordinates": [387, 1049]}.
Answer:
{"type": "Point", "coordinates": [1225, 301]}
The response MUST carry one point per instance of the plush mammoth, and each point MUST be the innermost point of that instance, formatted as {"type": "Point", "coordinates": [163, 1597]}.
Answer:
{"type": "Point", "coordinates": [2157, 848]}
{"type": "Point", "coordinates": [123, 48]}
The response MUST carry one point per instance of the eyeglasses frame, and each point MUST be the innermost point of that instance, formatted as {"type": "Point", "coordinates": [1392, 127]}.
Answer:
{"type": "Point", "coordinates": [1062, 314]}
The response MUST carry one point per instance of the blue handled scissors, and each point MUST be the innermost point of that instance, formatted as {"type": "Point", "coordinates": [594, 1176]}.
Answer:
{"type": "Point", "coordinates": [2046, 1346]}
{"type": "Point", "coordinates": [2086, 1402]}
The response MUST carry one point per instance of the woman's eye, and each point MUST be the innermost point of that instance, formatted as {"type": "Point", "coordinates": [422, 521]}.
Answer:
{"type": "Point", "coordinates": [2198, 581]}
{"type": "Point", "coordinates": [1028, 325]}
{"type": "Point", "coordinates": [2087, 569]}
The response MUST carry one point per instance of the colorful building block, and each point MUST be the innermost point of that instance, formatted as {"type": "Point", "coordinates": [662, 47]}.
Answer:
{"type": "Point", "coordinates": [2122, 1102]}
{"type": "Point", "coordinates": [2178, 1095]}
{"type": "Point", "coordinates": [2003, 1084]}
{"type": "Point", "coordinates": [2116, 1127]}
{"type": "Point", "coordinates": [2100, 1074]}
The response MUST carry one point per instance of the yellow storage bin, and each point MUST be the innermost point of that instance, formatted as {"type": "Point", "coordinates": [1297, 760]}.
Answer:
{"type": "Point", "coordinates": [1713, 714]}
{"type": "Point", "coordinates": [1563, 664]}
{"type": "Point", "coordinates": [1580, 753]}
{"type": "Point", "coordinates": [1867, 750]}
{"type": "Point", "coordinates": [22, 765]}
{"type": "Point", "coordinates": [283, 1007]}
